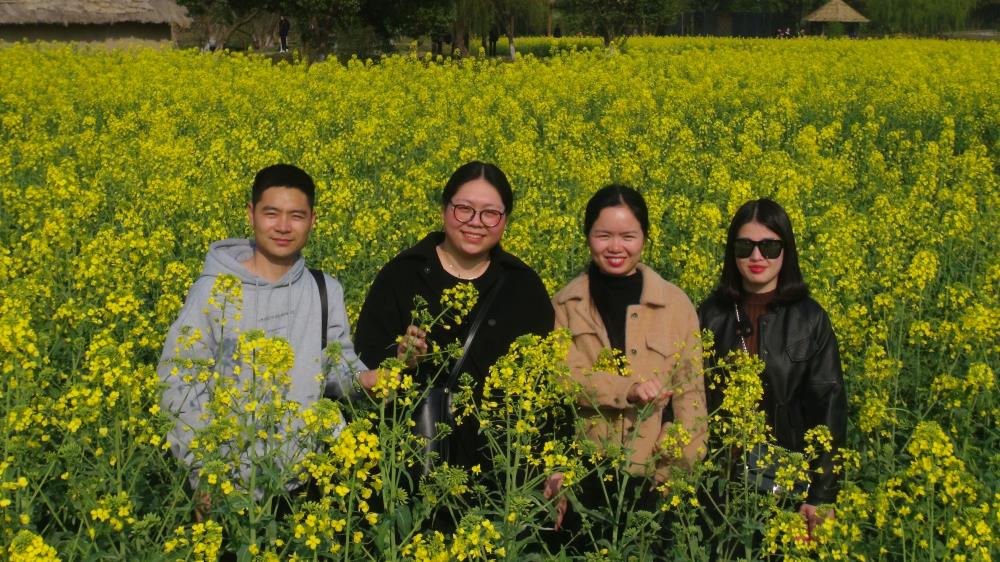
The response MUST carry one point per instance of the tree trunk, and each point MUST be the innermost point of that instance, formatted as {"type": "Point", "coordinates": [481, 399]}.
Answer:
{"type": "Point", "coordinates": [240, 22]}
{"type": "Point", "coordinates": [458, 43]}
{"type": "Point", "coordinates": [510, 36]}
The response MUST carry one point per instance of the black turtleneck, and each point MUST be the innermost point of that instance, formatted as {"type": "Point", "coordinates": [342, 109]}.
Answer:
{"type": "Point", "coordinates": [612, 295]}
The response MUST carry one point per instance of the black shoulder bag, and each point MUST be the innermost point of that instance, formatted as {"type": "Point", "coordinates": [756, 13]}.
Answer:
{"type": "Point", "coordinates": [436, 406]}
{"type": "Point", "coordinates": [321, 284]}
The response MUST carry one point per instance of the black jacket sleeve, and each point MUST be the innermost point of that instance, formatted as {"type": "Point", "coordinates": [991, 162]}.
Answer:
{"type": "Point", "coordinates": [543, 320]}
{"type": "Point", "coordinates": [384, 317]}
{"type": "Point", "coordinates": [825, 403]}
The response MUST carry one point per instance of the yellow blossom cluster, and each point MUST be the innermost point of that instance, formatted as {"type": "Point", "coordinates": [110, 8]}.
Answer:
{"type": "Point", "coordinates": [29, 547]}
{"type": "Point", "coordinates": [199, 542]}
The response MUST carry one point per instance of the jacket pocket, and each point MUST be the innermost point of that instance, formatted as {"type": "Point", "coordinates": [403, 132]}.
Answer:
{"type": "Point", "coordinates": [663, 343]}
{"type": "Point", "coordinates": [801, 349]}
{"type": "Point", "coordinates": [817, 390]}
{"type": "Point", "coordinates": [579, 326]}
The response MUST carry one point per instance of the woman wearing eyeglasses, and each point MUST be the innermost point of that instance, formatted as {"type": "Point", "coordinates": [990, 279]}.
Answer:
{"type": "Point", "coordinates": [762, 307]}
{"type": "Point", "coordinates": [476, 204]}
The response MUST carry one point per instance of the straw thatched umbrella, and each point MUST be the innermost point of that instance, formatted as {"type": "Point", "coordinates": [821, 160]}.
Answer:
{"type": "Point", "coordinates": [90, 20]}
{"type": "Point", "coordinates": [836, 11]}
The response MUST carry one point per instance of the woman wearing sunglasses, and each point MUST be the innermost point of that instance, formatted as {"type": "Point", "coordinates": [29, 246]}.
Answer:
{"type": "Point", "coordinates": [476, 204]}
{"type": "Point", "coordinates": [762, 307]}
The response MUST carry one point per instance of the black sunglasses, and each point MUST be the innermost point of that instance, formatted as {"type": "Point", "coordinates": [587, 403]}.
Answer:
{"type": "Point", "coordinates": [769, 249]}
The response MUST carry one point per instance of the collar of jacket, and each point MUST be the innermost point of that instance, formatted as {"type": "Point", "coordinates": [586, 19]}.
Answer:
{"type": "Point", "coordinates": [425, 251]}
{"type": "Point", "coordinates": [719, 299]}
{"type": "Point", "coordinates": [654, 293]}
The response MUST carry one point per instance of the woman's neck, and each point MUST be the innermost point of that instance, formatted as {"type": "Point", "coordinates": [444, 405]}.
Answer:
{"type": "Point", "coordinates": [760, 298]}
{"type": "Point", "coordinates": [460, 264]}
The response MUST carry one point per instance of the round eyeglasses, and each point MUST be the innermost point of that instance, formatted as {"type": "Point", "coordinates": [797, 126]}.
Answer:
{"type": "Point", "coordinates": [466, 214]}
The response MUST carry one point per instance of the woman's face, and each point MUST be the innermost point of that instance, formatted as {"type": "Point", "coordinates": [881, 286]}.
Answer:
{"type": "Point", "coordinates": [473, 239]}
{"type": "Point", "coordinates": [760, 274]}
{"type": "Point", "coordinates": [616, 241]}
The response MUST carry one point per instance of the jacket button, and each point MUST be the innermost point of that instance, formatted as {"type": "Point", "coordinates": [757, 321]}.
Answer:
{"type": "Point", "coordinates": [491, 322]}
{"type": "Point", "coordinates": [633, 351]}
{"type": "Point", "coordinates": [764, 353]}
{"type": "Point", "coordinates": [427, 269]}
{"type": "Point", "coordinates": [635, 315]}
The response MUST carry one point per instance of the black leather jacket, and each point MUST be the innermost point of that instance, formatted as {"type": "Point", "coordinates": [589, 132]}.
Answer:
{"type": "Point", "coordinates": [803, 379]}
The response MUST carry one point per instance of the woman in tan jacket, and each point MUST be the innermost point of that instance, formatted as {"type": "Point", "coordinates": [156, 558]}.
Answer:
{"type": "Point", "coordinates": [635, 357]}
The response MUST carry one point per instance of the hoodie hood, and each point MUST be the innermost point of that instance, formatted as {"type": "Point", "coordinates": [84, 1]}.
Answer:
{"type": "Point", "coordinates": [267, 306]}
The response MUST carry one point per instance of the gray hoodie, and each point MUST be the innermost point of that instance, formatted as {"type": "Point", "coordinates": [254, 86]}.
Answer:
{"type": "Point", "coordinates": [288, 309]}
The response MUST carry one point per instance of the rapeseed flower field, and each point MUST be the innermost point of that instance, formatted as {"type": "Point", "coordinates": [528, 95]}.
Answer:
{"type": "Point", "coordinates": [119, 167]}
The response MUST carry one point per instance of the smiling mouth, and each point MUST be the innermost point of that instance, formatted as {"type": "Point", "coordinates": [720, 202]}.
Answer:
{"type": "Point", "coordinates": [757, 269]}
{"type": "Point", "coordinates": [615, 261]}
{"type": "Point", "coordinates": [475, 236]}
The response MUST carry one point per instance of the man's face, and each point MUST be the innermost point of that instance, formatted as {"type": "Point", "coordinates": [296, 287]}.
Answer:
{"type": "Point", "coordinates": [281, 222]}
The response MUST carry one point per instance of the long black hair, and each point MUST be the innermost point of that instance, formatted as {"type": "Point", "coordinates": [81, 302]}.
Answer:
{"type": "Point", "coordinates": [480, 170]}
{"type": "Point", "coordinates": [791, 286]}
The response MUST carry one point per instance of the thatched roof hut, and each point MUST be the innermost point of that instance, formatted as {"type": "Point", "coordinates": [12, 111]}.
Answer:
{"type": "Point", "coordinates": [90, 20]}
{"type": "Point", "coordinates": [836, 11]}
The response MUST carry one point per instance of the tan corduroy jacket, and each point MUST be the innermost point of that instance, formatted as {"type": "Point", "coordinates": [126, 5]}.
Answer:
{"type": "Point", "coordinates": [661, 341]}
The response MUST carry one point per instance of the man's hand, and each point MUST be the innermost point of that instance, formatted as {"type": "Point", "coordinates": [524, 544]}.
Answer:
{"type": "Point", "coordinates": [412, 345]}
{"type": "Point", "coordinates": [648, 391]}
{"type": "Point", "coordinates": [368, 379]}
{"type": "Point", "coordinates": [552, 486]}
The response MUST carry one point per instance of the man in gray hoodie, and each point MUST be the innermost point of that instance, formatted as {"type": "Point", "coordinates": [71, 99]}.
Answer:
{"type": "Point", "coordinates": [280, 299]}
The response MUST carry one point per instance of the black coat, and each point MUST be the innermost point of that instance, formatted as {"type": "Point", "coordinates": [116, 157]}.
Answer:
{"type": "Point", "coordinates": [521, 307]}
{"type": "Point", "coordinates": [803, 381]}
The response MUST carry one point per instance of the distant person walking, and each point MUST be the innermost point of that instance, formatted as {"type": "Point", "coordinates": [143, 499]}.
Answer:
{"type": "Point", "coordinates": [283, 28]}
{"type": "Point", "coordinates": [494, 37]}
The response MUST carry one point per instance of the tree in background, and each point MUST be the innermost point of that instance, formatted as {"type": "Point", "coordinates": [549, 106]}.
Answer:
{"type": "Point", "coordinates": [472, 18]}
{"type": "Point", "coordinates": [225, 17]}
{"type": "Point", "coordinates": [317, 21]}
{"type": "Point", "coordinates": [986, 14]}
{"type": "Point", "coordinates": [918, 16]}
{"type": "Point", "coordinates": [350, 25]}
{"type": "Point", "coordinates": [454, 20]}
{"type": "Point", "coordinates": [611, 19]}
{"type": "Point", "coordinates": [508, 13]}
{"type": "Point", "coordinates": [320, 21]}
{"type": "Point", "coordinates": [391, 19]}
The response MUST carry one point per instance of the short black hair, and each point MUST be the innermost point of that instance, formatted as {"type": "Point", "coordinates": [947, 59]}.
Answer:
{"type": "Point", "coordinates": [480, 170]}
{"type": "Point", "coordinates": [615, 195]}
{"type": "Point", "coordinates": [791, 286]}
{"type": "Point", "coordinates": [283, 175]}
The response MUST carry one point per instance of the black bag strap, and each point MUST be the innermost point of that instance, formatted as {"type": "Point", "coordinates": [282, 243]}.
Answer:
{"type": "Point", "coordinates": [491, 296]}
{"type": "Point", "coordinates": [321, 283]}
